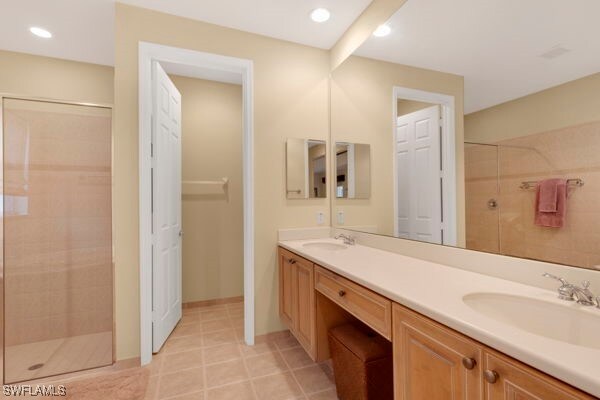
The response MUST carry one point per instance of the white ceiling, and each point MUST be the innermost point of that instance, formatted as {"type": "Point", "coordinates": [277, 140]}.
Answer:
{"type": "Point", "coordinates": [84, 29]}
{"type": "Point", "coordinates": [495, 45]}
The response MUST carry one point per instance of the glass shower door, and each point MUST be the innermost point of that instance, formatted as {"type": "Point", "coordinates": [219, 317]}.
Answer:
{"type": "Point", "coordinates": [56, 204]}
{"type": "Point", "coordinates": [481, 197]}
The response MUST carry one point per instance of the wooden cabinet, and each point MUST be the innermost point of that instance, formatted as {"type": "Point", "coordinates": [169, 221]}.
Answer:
{"type": "Point", "coordinates": [369, 307]}
{"type": "Point", "coordinates": [433, 362]}
{"type": "Point", "coordinates": [508, 379]}
{"type": "Point", "coordinates": [286, 289]}
{"type": "Point", "coordinates": [297, 298]}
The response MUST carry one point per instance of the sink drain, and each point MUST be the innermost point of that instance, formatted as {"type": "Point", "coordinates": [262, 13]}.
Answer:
{"type": "Point", "coordinates": [35, 366]}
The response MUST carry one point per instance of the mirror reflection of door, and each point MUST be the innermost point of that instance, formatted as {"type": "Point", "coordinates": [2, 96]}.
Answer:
{"type": "Point", "coordinates": [418, 163]}
{"type": "Point", "coordinates": [317, 169]}
{"type": "Point", "coordinates": [353, 170]}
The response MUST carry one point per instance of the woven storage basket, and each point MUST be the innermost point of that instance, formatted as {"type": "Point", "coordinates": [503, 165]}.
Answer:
{"type": "Point", "coordinates": [362, 363]}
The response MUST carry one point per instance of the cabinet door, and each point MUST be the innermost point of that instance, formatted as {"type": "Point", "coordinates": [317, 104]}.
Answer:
{"type": "Point", "coordinates": [287, 295]}
{"type": "Point", "coordinates": [305, 289]}
{"type": "Point", "coordinates": [508, 379]}
{"type": "Point", "coordinates": [433, 362]}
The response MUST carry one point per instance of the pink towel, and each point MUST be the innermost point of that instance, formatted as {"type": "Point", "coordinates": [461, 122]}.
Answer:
{"type": "Point", "coordinates": [551, 203]}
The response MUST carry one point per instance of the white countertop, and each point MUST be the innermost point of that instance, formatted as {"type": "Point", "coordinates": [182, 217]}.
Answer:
{"type": "Point", "coordinates": [436, 290]}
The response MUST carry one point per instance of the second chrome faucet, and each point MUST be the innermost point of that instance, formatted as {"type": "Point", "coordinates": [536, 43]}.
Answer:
{"type": "Point", "coordinates": [348, 239]}
{"type": "Point", "coordinates": [582, 294]}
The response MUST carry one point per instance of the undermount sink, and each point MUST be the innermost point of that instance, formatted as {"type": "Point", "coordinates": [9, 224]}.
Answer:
{"type": "Point", "coordinates": [324, 246]}
{"type": "Point", "coordinates": [564, 323]}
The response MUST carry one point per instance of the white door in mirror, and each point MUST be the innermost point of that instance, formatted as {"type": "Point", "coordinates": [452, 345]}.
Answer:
{"type": "Point", "coordinates": [418, 163]}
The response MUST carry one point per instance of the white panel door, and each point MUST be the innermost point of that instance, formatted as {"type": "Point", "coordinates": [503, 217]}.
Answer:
{"type": "Point", "coordinates": [166, 206]}
{"type": "Point", "coordinates": [418, 186]}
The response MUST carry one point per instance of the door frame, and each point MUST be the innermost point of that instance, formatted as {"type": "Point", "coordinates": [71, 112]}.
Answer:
{"type": "Point", "coordinates": [147, 53]}
{"type": "Point", "coordinates": [448, 143]}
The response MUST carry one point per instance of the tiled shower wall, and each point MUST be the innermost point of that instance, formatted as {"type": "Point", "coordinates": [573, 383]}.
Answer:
{"type": "Point", "coordinates": [572, 152]}
{"type": "Point", "coordinates": [57, 203]}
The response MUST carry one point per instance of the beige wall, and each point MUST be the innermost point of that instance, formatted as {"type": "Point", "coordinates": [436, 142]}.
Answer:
{"type": "Point", "coordinates": [212, 149]}
{"type": "Point", "coordinates": [29, 75]}
{"type": "Point", "coordinates": [290, 100]}
{"type": "Point", "coordinates": [361, 91]}
{"type": "Point", "coordinates": [578, 102]}
{"type": "Point", "coordinates": [409, 106]}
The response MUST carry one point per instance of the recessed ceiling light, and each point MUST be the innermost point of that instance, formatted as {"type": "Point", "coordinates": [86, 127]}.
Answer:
{"type": "Point", "coordinates": [320, 15]}
{"type": "Point", "coordinates": [382, 30]}
{"type": "Point", "coordinates": [40, 32]}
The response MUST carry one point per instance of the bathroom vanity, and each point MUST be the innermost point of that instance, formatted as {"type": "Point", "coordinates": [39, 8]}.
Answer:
{"type": "Point", "coordinates": [444, 345]}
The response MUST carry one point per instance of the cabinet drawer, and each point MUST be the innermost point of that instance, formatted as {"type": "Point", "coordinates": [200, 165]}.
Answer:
{"type": "Point", "coordinates": [369, 307]}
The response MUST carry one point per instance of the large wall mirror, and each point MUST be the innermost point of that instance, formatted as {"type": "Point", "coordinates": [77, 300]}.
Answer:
{"type": "Point", "coordinates": [483, 133]}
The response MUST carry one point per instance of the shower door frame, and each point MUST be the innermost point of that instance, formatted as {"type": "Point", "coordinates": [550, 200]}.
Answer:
{"type": "Point", "coordinates": [12, 96]}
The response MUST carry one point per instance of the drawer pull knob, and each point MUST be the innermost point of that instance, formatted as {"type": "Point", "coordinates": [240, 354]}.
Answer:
{"type": "Point", "coordinates": [491, 376]}
{"type": "Point", "coordinates": [469, 363]}
{"type": "Point", "coordinates": [292, 261]}
{"type": "Point", "coordinates": [342, 293]}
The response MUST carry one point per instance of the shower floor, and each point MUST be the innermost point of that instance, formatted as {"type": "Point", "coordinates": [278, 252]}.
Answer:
{"type": "Point", "coordinates": [58, 356]}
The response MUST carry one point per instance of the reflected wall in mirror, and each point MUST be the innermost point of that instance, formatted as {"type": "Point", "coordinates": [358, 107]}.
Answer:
{"type": "Point", "coordinates": [494, 146]}
{"type": "Point", "coordinates": [353, 170]}
{"type": "Point", "coordinates": [306, 167]}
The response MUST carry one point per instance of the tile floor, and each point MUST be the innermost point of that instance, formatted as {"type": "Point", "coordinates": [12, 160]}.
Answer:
{"type": "Point", "coordinates": [205, 358]}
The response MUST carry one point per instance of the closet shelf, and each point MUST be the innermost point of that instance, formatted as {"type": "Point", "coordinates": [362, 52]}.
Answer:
{"type": "Point", "coordinates": [204, 187]}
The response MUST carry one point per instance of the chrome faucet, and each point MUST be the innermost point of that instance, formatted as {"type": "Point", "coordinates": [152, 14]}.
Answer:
{"type": "Point", "coordinates": [348, 239]}
{"type": "Point", "coordinates": [567, 291]}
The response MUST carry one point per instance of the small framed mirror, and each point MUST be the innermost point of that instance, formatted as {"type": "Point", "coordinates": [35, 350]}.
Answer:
{"type": "Point", "coordinates": [353, 170]}
{"type": "Point", "coordinates": [306, 169]}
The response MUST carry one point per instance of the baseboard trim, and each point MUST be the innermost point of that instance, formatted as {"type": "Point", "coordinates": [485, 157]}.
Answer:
{"type": "Point", "coordinates": [214, 302]}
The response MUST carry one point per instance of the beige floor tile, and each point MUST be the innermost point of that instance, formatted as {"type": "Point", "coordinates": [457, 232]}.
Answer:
{"type": "Point", "coordinates": [152, 389]}
{"type": "Point", "coordinates": [277, 387]}
{"type": "Point", "coordinates": [211, 315]}
{"type": "Point", "coordinates": [236, 391]}
{"type": "Point", "coordinates": [313, 379]}
{"type": "Point", "coordinates": [297, 358]}
{"type": "Point", "coordinates": [184, 360]}
{"type": "Point", "coordinates": [184, 343]}
{"type": "Point", "coordinates": [259, 348]}
{"type": "Point", "coordinates": [225, 373]}
{"type": "Point", "coordinates": [190, 396]}
{"type": "Point", "coordinates": [239, 334]}
{"type": "Point", "coordinates": [221, 353]}
{"type": "Point", "coordinates": [327, 395]}
{"type": "Point", "coordinates": [216, 325]}
{"type": "Point", "coordinates": [237, 322]}
{"type": "Point", "coordinates": [190, 318]}
{"type": "Point", "coordinates": [220, 337]}
{"type": "Point", "coordinates": [156, 364]}
{"type": "Point", "coordinates": [265, 364]}
{"type": "Point", "coordinates": [181, 382]}
{"type": "Point", "coordinates": [287, 343]}
{"type": "Point", "coordinates": [191, 328]}
{"type": "Point", "coordinates": [236, 312]}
